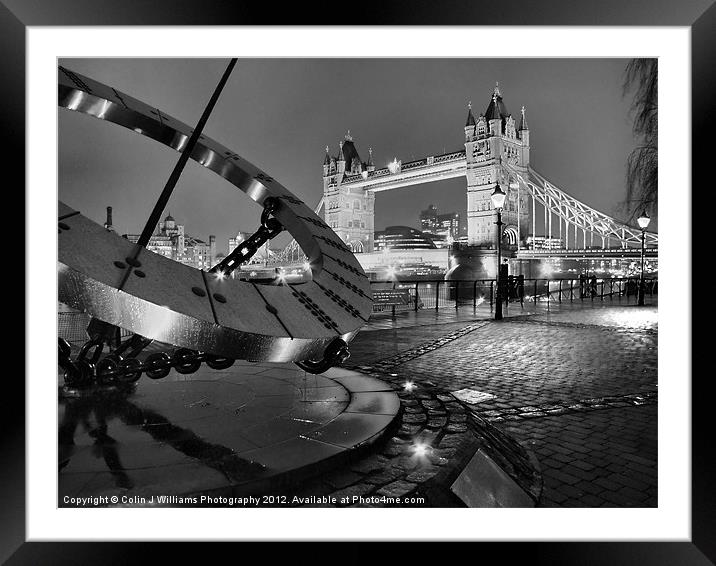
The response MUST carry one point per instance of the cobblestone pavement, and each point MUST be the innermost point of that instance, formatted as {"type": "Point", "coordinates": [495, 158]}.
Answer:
{"type": "Point", "coordinates": [605, 458]}
{"type": "Point", "coordinates": [435, 439]}
{"type": "Point", "coordinates": [576, 385]}
{"type": "Point", "coordinates": [572, 385]}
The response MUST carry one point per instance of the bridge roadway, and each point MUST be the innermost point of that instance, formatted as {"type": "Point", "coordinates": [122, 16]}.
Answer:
{"type": "Point", "coordinates": [589, 253]}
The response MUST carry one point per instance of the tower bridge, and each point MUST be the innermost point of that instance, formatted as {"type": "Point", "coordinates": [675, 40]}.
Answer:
{"type": "Point", "coordinates": [496, 151]}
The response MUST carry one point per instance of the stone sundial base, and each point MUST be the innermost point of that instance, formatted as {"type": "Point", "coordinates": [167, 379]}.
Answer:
{"type": "Point", "coordinates": [249, 429]}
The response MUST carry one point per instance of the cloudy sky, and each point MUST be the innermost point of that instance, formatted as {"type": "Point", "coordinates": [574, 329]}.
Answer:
{"type": "Point", "coordinates": [281, 113]}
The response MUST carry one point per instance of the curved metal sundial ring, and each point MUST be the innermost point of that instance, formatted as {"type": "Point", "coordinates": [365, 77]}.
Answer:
{"type": "Point", "coordinates": [174, 303]}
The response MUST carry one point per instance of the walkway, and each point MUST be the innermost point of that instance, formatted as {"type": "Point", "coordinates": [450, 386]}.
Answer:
{"type": "Point", "coordinates": [576, 383]}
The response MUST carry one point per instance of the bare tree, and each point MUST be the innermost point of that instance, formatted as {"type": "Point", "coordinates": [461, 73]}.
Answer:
{"type": "Point", "coordinates": [641, 78]}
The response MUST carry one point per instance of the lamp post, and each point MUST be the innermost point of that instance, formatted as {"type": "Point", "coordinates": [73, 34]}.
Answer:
{"type": "Point", "coordinates": [498, 201]}
{"type": "Point", "coordinates": [643, 222]}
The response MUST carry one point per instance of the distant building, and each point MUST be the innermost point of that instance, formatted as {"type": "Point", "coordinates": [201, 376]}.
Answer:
{"type": "Point", "coordinates": [108, 223]}
{"type": "Point", "coordinates": [170, 240]}
{"type": "Point", "coordinates": [444, 229]}
{"type": "Point", "coordinates": [429, 219]}
{"type": "Point", "coordinates": [542, 243]}
{"type": "Point", "coordinates": [402, 238]}
{"type": "Point", "coordinates": [349, 211]}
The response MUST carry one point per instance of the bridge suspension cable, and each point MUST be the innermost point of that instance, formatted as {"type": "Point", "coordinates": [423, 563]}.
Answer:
{"type": "Point", "coordinates": [293, 253]}
{"type": "Point", "coordinates": [576, 215]}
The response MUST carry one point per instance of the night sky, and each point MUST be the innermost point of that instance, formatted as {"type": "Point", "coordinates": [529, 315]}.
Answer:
{"type": "Point", "coordinates": [281, 113]}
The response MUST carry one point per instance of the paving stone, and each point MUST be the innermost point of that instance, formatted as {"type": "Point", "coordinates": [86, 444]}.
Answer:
{"type": "Point", "coordinates": [392, 450]}
{"type": "Point", "coordinates": [608, 485]}
{"type": "Point", "coordinates": [408, 430]}
{"type": "Point", "coordinates": [618, 500]}
{"type": "Point", "coordinates": [631, 482]}
{"type": "Point", "coordinates": [415, 418]}
{"type": "Point", "coordinates": [423, 474]}
{"type": "Point", "coordinates": [369, 464]}
{"type": "Point", "coordinates": [458, 418]}
{"type": "Point", "coordinates": [386, 476]}
{"type": "Point", "coordinates": [342, 478]}
{"type": "Point", "coordinates": [588, 500]}
{"type": "Point", "coordinates": [633, 494]}
{"type": "Point", "coordinates": [437, 412]}
{"type": "Point", "coordinates": [452, 440]}
{"type": "Point", "coordinates": [437, 422]}
{"type": "Point", "coordinates": [563, 477]}
{"type": "Point", "coordinates": [589, 487]}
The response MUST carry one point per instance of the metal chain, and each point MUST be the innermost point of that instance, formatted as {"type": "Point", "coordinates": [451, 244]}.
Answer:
{"type": "Point", "coordinates": [115, 369]}
{"type": "Point", "coordinates": [270, 228]}
{"type": "Point", "coordinates": [118, 368]}
{"type": "Point", "coordinates": [335, 354]}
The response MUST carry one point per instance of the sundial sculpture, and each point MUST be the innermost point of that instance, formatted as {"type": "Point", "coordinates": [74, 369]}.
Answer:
{"type": "Point", "coordinates": [209, 317]}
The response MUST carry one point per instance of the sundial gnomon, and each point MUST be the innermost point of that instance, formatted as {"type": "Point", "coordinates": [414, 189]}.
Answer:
{"type": "Point", "coordinates": [209, 317]}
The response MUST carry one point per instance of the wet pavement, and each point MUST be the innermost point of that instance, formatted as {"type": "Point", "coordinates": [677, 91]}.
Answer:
{"type": "Point", "coordinates": [215, 431]}
{"type": "Point", "coordinates": [576, 383]}
{"type": "Point", "coordinates": [560, 397]}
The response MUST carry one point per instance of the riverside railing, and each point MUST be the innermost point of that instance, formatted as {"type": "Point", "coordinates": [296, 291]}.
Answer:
{"type": "Point", "coordinates": [436, 294]}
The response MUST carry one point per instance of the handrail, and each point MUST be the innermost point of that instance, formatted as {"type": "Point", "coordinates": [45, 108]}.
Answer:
{"type": "Point", "coordinates": [438, 293]}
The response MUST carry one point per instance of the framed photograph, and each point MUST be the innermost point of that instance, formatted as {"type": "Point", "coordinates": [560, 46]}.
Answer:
{"type": "Point", "coordinates": [438, 320]}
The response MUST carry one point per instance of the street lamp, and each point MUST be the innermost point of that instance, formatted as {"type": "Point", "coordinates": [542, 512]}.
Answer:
{"type": "Point", "coordinates": [643, 222]}
{"type": "Point", "coordinates": [498, 201]}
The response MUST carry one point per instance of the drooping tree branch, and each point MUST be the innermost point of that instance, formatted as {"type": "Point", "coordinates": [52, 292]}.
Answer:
{"type": "Point", "coordinates": [641, 78]}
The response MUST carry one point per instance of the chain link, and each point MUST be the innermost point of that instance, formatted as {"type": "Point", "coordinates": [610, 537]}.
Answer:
{"type": "Point", "coordinates": [270, 228]}
{"type": "Point", "coordinates": [115, 368]}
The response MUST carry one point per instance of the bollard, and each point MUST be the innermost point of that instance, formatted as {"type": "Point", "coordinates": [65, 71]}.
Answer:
{"type": "Point", "coordinates": [437, 294]}
{"type": "Point", "coordinates": [474, 294]}
{"type": "Point", "coordinates": [416, 297]}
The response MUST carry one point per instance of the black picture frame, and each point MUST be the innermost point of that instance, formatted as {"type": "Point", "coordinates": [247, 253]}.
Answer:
{"type": "Point", "coordinates": [699, 15]}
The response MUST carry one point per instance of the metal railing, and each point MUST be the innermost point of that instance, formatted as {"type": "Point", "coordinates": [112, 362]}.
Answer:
{"type": "Point", "coordinates": [438, 294]}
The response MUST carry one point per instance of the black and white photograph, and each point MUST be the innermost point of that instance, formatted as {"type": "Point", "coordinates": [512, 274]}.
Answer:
{"type": "Point", "coordinates": [393, 278]}
{"type": "Point", "coordinates": [358, 282]}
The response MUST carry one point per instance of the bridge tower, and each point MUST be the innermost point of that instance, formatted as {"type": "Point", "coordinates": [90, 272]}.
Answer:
{"type": "Point", "coordinates": [491, 140]}
{"type": "Point", "coordinates": [348, 210]}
